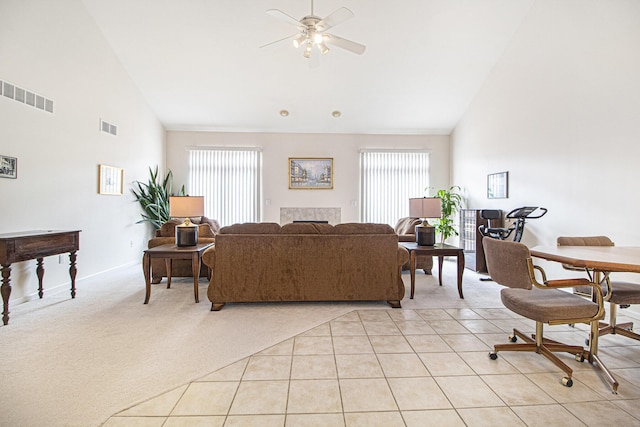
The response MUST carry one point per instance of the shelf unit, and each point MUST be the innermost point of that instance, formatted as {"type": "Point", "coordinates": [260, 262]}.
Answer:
{"type": "Point", "coordinates": [471, 239]}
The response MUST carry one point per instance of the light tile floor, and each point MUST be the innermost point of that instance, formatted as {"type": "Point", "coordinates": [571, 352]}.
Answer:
{"type": "Point", "coordinates": [420, 367]}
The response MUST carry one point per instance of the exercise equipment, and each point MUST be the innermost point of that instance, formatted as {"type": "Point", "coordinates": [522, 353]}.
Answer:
{"type": "Point", "coordinates": [520, 215]}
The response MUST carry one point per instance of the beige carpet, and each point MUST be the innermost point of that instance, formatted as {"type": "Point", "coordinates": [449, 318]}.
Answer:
{"type": "Point", "coordinates": [77, 362]}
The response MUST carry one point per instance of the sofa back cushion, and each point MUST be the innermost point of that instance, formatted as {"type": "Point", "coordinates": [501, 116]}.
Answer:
{"type": "Point", "coordinates": [252, 228]}
{"type": "Point", "coordinates": [407, 225]}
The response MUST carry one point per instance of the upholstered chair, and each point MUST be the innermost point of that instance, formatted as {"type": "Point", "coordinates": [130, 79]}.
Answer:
{"type": "Point", "coordinates": [406, 231]}
{"type": "Point", "coordinates": [509, 264]}
{"type": "Point", "coordinates": [207, 229]}
{"type": "Point", "coordinates": [616, 293]}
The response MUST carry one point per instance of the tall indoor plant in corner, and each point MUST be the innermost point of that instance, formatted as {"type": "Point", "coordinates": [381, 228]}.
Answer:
{"type": "Point", "coordinates": [450, 203]}
{"type": "Point", "coordinates": [153, 197]}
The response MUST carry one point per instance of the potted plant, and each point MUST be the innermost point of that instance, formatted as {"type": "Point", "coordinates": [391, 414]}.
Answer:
{"type": "Point", "coordinates": [450, 204]}
{"type": "Point", "coordinates": [153, 197]}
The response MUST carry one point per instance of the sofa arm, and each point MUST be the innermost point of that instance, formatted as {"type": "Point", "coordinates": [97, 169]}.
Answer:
{"type": "Point", "coordinates": [209, 257]}
{"type": "Point", "coordinates": [406, 237]}
{"type": "Point", "coordinates": [403, 255]}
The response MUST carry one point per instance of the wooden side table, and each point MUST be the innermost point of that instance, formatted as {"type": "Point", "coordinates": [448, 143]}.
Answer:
{"type": "Point", "coordinates": [440, 250]}
{"type": "Point", "coordinates": [169, 253]}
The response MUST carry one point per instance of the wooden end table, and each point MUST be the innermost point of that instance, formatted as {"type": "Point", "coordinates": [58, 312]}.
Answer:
{"type": "Point", "coordinates": [440, 250]}
{"type": "Point", "coordinates": [169, 253]}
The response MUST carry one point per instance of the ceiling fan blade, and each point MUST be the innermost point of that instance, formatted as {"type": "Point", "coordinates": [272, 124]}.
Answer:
{"type": "Point", "coordinates": [335, 18]}
{"type": "Point", "coordinates": [278, 14]}
{"type": "Point", "coordinates": [349, 45]}
{"type": "Point", "coordinates": [281, 41]}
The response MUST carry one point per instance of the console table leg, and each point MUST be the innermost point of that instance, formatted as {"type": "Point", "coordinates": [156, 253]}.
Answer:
{"type": "Point", "coordinates": [5, 289]}
{"type": "Point", "coordinates": [72, 272]}
{"type": "Point", "coordinates": [40, 273]}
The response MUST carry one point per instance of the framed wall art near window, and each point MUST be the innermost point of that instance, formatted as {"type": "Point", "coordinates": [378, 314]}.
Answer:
{"type": "Point", "coordinates": [310, 173]}
{"type": "Point", "coordinates": [8, 167]}
{"type": "Point", "coordinates": [498, 185]}
{"type": "Point", "coordinates": [110, 180]}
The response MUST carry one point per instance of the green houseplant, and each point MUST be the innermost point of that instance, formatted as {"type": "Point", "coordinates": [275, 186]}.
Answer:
{"type": "Point", "coordinates": [153, 197]}
{"type": "Point", "coordinates": [450, 204]}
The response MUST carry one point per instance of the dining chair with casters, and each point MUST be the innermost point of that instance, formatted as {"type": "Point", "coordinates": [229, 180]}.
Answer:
{"type": "Point", "coordinates": [510, 265]}
{"type": "Point", "coordinates": [616, 293]}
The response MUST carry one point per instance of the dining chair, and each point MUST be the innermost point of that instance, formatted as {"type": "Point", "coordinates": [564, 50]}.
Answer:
{"type": "Point", "coordinates": [509, 264]}
{"type": "Point", "coordinates": [616, 293]}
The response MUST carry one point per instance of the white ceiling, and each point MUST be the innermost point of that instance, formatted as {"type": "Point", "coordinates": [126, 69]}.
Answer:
{"type": "Point", "coordinates": [199, 66]}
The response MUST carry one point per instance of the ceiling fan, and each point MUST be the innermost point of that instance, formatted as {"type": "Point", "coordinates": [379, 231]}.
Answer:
{"type": "Point", "coordinates": [312, 31]}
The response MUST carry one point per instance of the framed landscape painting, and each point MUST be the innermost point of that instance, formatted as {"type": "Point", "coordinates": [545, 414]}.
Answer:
{"type": "Point", "coordinates": [310, 173]}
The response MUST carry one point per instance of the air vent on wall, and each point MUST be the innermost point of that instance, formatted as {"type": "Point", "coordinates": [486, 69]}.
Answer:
{"type": "Point", "coordinates": [108, 127]}
{"type": "Point", "coordinates": [25, 96]}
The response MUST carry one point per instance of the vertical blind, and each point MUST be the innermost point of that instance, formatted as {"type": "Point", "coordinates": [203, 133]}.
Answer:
{"type": "Point", "coordinates": [229, 180]}
{"type": "Point", "coordinates": [388, 180]}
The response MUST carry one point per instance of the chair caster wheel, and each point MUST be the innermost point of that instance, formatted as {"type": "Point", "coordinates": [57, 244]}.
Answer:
{"type": "Point", "coordinates": [586, 342]}
{"type": "Point", "coordinates": [580, 357]}
{"type": "Point", "coordinates": [513, 338]}
{"type": "Point", "coordinates": [493, 355]}
{"type": "Point", "coordinates": [567, 382]}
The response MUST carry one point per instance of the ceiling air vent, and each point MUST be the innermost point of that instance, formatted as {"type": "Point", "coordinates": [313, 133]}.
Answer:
{"type": "Point", "coordinates": [107, 127]}
{"type": "Point", "coordinates": [25, 96]}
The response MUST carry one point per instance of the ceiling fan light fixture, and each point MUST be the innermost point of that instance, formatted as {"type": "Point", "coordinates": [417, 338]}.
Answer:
{"type": "Point", "coordinates": [323, 48]}
{"type": "Point", "coordinates": [299, 40]}
{"type": "Point", "coordinates": [317, 38]}
{"type": "Point", "coordinates": [307, 50]}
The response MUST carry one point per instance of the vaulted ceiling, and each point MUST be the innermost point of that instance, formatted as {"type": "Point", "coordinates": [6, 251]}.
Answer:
{"type": "Point", "coordinates": [199, 65]}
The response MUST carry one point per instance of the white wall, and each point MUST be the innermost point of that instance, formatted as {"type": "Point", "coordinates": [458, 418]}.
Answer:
{"type": "Point", "coordinates": [561, 112]}
{"type": "Point", "coordinates": [55, 49]}
{"type": "Point", "coordinates": [277, 148]}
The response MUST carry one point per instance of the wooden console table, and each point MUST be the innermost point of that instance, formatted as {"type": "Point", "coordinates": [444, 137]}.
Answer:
{"type": "Point", "coordinates": [37, 244]}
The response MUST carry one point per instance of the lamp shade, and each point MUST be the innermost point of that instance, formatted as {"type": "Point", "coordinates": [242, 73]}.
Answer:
{"type": "Point", "coordinates": [425, 207]}
{"type": "Point", "coordinates": [186, 206]}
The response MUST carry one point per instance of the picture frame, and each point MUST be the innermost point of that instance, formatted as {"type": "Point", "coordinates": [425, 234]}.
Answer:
{"type": "Point", "coordinates": [8, 167]}
{"type": "Point", "coordinates": [498, 185]}
{"type": "Point", "coordinates": [110, 180]}
{"type": "Point", "coordinates": [310, 173]}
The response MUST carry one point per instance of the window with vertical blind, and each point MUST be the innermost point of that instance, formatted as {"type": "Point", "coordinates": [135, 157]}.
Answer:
{"type": "Point", "coordinates": [230, 181]}
{"type": "Point", "coordinates": [388, 179]}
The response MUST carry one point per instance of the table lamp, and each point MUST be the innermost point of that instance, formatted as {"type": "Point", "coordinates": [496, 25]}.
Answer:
{"type": "Point", "coordinates": [186, 207]}
{"type": "Point", "coordinates": [425, 207]}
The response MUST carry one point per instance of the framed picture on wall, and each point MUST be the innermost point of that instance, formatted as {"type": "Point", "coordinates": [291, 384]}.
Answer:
{"type": "Point", "coordinates": [110, 180]}
{"type": "Point", "coordinates": [498, 185]}
{"type": "Point", "coordinates": [8, 167]}
{"type": "Point", "coordinates": [310, 173]}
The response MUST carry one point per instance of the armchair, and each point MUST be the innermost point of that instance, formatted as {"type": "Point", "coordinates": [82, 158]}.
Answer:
{"type": "Point", "coordinates": [405, 229]}
{"type": "Point", "coordinates": [616, 293]}
{"type": "Point", "coordinates": [510, 265]}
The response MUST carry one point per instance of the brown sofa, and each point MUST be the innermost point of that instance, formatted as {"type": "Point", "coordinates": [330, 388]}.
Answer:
{"type": "Point", "coordinates": [305, 262]}
{"type": "Point", "coordinates": [207, 229]}
{"type": "Point", "coordinates": [406, 229]}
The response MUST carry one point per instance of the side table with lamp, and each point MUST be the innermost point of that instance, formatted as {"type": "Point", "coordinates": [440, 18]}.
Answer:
{"type": "Point", "coordinates": [430, 207]}
{"type": "Point", "coordinates": [186, 245]}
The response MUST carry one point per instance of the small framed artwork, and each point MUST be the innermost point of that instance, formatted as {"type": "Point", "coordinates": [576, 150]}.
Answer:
{"type": "Point", "coordinates": [498, 185]}
{"type": "Point", "coordinates": [110, 180]}
{"type": "Point", "coordinates": [8, 167]}
{"type": "Point", "coordinates": [310, 173]}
